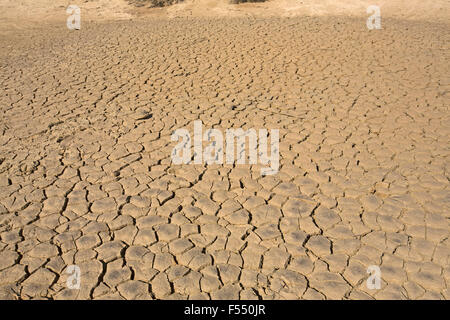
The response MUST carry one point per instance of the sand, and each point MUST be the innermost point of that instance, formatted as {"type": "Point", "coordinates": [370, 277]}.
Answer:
{"type": "Point", "coordinates": [87, 179]}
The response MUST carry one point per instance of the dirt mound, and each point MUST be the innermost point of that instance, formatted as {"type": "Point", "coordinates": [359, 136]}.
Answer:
{"type": "Point", "coordinates": [153, 3]}
{"type": "Point", "coordinates": [166, 3]}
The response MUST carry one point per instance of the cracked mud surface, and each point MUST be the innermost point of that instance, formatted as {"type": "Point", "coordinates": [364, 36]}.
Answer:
{"type": "Point", "coordinates": [86, 176]}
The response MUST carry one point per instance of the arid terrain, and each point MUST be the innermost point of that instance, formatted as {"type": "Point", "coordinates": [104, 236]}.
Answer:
{"type": "Point", "coordinates": [87, 179]}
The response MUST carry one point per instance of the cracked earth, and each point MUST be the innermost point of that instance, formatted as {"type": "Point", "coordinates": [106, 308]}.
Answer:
{"type": "Point", "coordinates": [86, 176]}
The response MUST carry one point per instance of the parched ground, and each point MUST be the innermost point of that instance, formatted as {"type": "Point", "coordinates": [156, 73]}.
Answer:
{"type": "Point", "coordinates": [86, 176]}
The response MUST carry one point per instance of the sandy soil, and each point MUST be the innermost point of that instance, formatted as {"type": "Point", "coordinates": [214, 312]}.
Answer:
{"type": "Point", "coordinates": [410, 10]}
{"type": "Point", "coordinates": [86, 176]}
{"type": "Point", "coordinates": [20, 14]}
